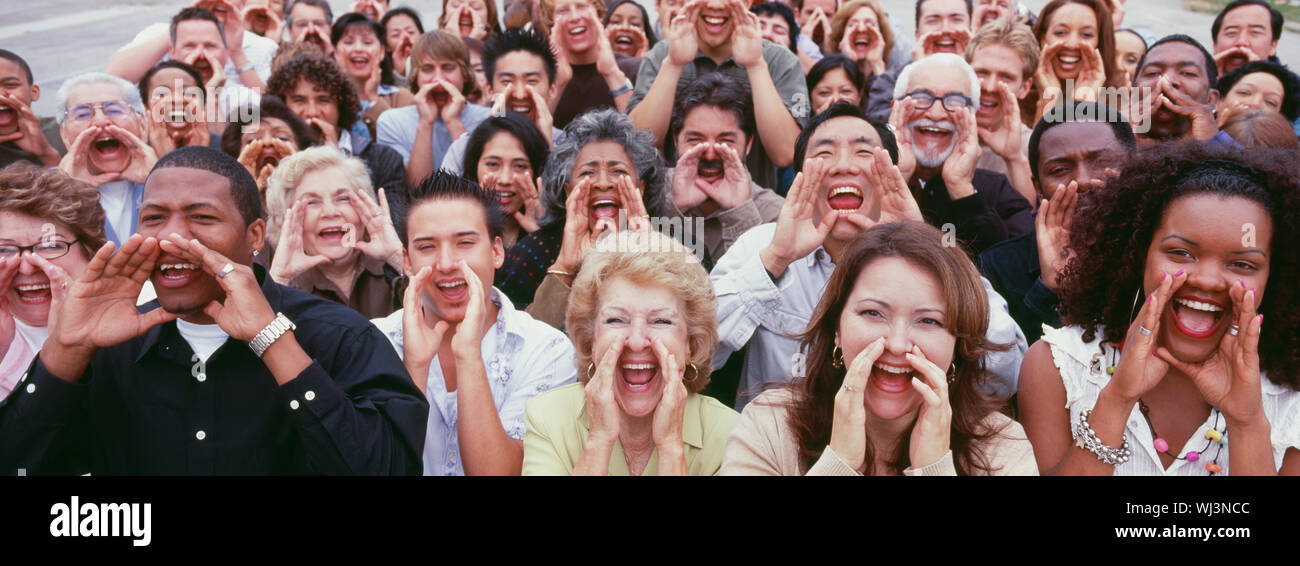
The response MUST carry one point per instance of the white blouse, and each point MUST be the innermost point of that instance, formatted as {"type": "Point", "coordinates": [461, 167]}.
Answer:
{"type": "Point", "coordinates": [1083, 371]}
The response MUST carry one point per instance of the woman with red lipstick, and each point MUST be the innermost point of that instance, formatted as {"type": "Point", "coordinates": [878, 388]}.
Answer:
{"type": "Point", "coordinates": [1181, 330]}
{"type": "Point", "coordinates": [893, 373]}
{"type": "Point", "coordinates": [335, 236]}
{"type": "Point", "coordinates": [644, 332]}
{"type": "Point", "coordinates": [50, 226]}
{"type": "Point", "coordinates": [1078, 54]}
{"type": "Point", "coordinates": [504, 155]}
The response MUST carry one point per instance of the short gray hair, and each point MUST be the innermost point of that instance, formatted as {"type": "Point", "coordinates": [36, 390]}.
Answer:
{"type": "Point", "coordinates": [602, 125]}
{"type": "Point", "coordinates": [941, 60]}
{"type": "Point", "coordinates": [129, 93]}
{"type": "Point", "coordinates": [284, 181]}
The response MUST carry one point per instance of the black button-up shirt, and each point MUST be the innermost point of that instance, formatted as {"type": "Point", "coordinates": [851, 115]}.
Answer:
{"type": "Point", "coordinates": [994, 213]}
{"type": "Point", "coordinates": [147, 406]}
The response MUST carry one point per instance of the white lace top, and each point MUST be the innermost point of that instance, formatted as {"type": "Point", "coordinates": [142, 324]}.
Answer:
{"type": "Point", "coordinates": [1083, 370]}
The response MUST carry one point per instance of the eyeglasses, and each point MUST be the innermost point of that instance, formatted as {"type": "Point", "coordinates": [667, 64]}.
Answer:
{"type": "Point", "coordinates": [114, 109]}
{"type": "Point", "coordinates": [924, 99]}
{"type": "Point", "coordinates": [48, 249]}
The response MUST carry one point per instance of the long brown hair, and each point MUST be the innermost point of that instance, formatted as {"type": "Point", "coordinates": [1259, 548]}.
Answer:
{"type": "Point", "coordinates": [1105, 45]}
{"type": "Point", "coordinates": [967, 308]}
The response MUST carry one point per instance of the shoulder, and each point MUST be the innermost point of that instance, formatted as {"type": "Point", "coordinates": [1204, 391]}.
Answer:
{"type": "Point", "coordinates": [475, 112]}
{"type": "Point", "coordinates": [714, 416]}
{"type": "Point", "coordinates": [258, 42]}
{"type": "Point", "coordinates": [542, 335]}
{"type": "Point", "coordinates": [759, 235]}
{"type": "Point", "coordinates": [399, 116]}
{"type": "Point", "coordinates": [990, 180]}
{"type": "Point", "coordinates": [1016, 253]}
{"type": "Point", "coordinates": [779, 57]}
{"type": "Point", "coordinates": [559, 405]}
{"type": "Point", "coordinates": [657, 53]}
{"type": "Point", "coordinates": [770, 409]}
{"type": "Point", "coordinates": [1008, 448]}
{"type": "Point", "coordinates": [391, 327]}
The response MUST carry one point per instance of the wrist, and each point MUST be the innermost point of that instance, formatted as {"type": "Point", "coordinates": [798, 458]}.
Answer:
{"type": "Point", "coordinates": [601, 440]}
{"type": "Point", "coordinates": [1113, 396]}
{"type": "Point", "coordinates": [1256, 425]}
{"type": "Point", "coordinates": [960, 189]}
{"type": "Point", "coordinates": [615, 78]}
{"type": "Point", "coordinates": [671, 447]}
{"type": "Point", "coordinates": [757, 68]}
{"type": "Point", "coordinates": [773, 263]}
{"type": "Point", "coordinates": [237, 56]}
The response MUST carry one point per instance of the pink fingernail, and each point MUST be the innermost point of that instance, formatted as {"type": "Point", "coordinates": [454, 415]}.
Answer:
{"type": "Point", "coordinates": [1163, 277]}
{"type": "Point", "coordinates": [1261, 318]}
{"type": "Point", "coordinates": [1180, 272]}
{"type": "Point", "coordinates": [1152, 297]}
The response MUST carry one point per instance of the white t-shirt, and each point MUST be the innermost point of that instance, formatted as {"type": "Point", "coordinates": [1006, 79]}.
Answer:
{"type": "Point", "coordinates": [204, 339]}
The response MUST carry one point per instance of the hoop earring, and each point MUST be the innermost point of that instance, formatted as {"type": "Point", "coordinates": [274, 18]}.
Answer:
{"type": "Point", "coordinates": [1137, 298]}
{"type": "Point", "coordinates": [695, 373]}
{"type": "Point", "coordinates": [952, 374]}
{"type": "Point", "coordinates": [837, 358]}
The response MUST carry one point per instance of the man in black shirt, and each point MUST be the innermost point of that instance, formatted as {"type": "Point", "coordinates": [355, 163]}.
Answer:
{"type": "Point", "coordinates": [218, 380]}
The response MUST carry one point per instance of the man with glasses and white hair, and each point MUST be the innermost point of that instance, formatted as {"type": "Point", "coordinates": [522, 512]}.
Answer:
{"type": "Point", "coordinates": [101, 121]}
{"type": "Point", "coordinates": [933, 116]}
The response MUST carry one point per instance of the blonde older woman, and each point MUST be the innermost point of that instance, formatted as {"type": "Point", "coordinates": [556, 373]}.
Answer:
{"type": "Point", "coordinates": [641, 316]}
{"type": "Point", "coordinates": [335, 238]}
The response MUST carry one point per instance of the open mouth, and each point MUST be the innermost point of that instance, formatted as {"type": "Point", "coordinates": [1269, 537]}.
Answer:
{"type": "Point", "coordinates": [715, 24]}
{"type": "Point", "coordinates": [711, 170]}
{"type": "Point", "coordinates": [466, 25]}
{"type": "Point", "coordinates": [989, 17]}
{"type": "Point", "coordinates": [268, 157]}
{"type": "Point", "coordinates": [504, 198]}
{"type": "Point", "coordinates": [521, 105]}
{"type": "Point", "coordinates": [891, 378]}
{"type": "Point", "coordinates": [945, 44]}
{"type": "Point", "coordinates": [604, 207]}
{"type": "Point", "coordinates": [108, 147]}
{"type": "Point", "coordinates": [989, 103]}
{"type": "Point", "coordinates": [638, 376]}
{"type": "Point", "coordinates": [1197, 319]}
{"type": "Point", "coordinates": [861, 41]}
{"type": "Point", "coordinates": [453, 290]}
{"type": "Point", "coordinates": [175, 119]}
{"type": "Point", "coordinates": [33, 293]}
{"type": "Point", "coordinates": [360, 62]}
{"type": "Point", "coordinates": [624, 40]}
{"type": "Point", "coordinates": [332, 233]}
{"type": "Point", "coordinates": [578, 32]}
{"type": "Point", "coordinates": [844, 198]}
{"type": "Point", "coordinates": [1068, 60]}
{"type": "Point", "coordinates": [935, 135]}
{"type": "Point", "coordinates": [173, 275]}
{"type": "Point", "coordinates": [8, 116]}
{"type": "Point", "coordinates": [439, 96]}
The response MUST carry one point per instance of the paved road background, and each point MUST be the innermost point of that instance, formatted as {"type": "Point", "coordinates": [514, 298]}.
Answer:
{"type": "Point", "coordinates": [63, 38]}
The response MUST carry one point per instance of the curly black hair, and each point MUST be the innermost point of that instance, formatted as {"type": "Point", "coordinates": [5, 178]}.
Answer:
{"type": "Point", "coordinates": [1114, 226]}
{"type": "Point", "coordinates": [320, 70]}
{"type": "Point", "coordinates": [1290, 84]}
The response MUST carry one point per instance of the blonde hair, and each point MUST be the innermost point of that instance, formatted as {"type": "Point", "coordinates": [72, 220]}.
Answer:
{"type": "Point", "coordinates": [548, 12]}
{"type": "Point", "coordinates": [841, 19]}
{"type": "Point", "coordinates": [647, 259]}
{"type": "Point", "coordinates": [1017, 37]}
{"type": "Point", "coordinates": [284, 181]}
{"type": "Point", "coordinates": [48, 194]}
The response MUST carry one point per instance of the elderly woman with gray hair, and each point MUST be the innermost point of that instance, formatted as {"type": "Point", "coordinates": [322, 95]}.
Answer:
{"type": "Point", "coordinates": [604, 176]}
{"type": "Point", "coordinates": [335, 235]}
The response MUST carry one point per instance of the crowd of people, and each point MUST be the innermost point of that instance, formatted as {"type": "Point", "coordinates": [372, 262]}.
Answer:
{"type": "Point", "coordinates": [700, 237]}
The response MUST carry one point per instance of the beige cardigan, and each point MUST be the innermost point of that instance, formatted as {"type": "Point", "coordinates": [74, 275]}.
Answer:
{"type": "Point", "coordinates": [762, 444]}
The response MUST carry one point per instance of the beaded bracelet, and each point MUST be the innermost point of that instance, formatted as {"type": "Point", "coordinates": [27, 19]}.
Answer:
{"type": "Point", "coordinates": [1085, 438]}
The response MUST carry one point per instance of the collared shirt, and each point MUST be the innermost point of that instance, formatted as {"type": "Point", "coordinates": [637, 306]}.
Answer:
{"type": "Point", "coordinates": [145, 407]}
{"type": "Point", "coordinates": [121, 202]}
{"type": "Point", "coordinates": [766, 315]}
{"type": "Point", "coordinates": [809, 47]}
{"type": "Point", "coordinates": [784, 68]}
{"type": "Point", "coordinates": [523, 357]}
{"type": "Point", "coordinates": [397, 128]}
{"type": "Point", "coordinates": [372, 293]}
{"type": "Point", "coordinates": [558, 426]}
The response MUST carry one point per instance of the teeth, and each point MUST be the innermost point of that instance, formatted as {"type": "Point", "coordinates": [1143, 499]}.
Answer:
{"type": "Point", "coordinates": [521, 109]}
{"type": "Point", "coordinates": [892, 369]}
{"type": "Point", "coordinates": [1197, 305]}
{"type": "Point", "coordinates": [505, 194]}
{"type": "Point", "coordinates": [639, 366]}
{"type": "Point", "coordinates": [451, 285]}
{"type": "Point", "coordinates": [934, 130]}
{"type": "Point", "coordinates": [604, 202]}
{"type": "Point", "coordinates": [37, 287]}
{"type": "Point", "coordinates": [714, 21]}
{"type": "Point", "coordinates": [577, 30]}
{"type": "Point", "coordinates": [171, 266]}
{"type": "Point", "coordinates": [1065, 59]}
{"type": "Point", "coordinates": [846, 191]}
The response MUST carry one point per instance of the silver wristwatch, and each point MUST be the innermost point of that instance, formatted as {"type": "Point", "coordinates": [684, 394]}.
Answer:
{"type": "Point", "coordinates": [627, 87]}
{"type": "Point", "coordinates": [271, 333]}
